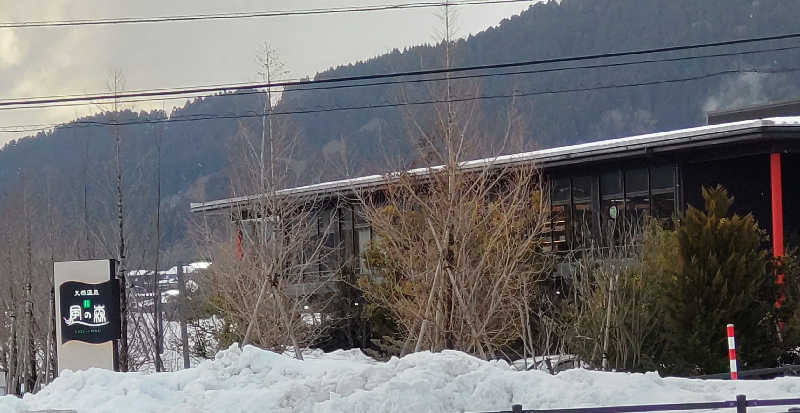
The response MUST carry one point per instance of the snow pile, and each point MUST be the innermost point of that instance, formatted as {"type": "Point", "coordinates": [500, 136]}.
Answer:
{"type": "Point", "coordinates": [253, 380]}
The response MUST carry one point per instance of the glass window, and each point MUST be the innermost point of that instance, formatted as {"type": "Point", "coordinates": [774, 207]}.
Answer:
{"type": "Point", "coordinates": [611, 212]}
{"type": "Point", "coordinates": [582, 189]}
{"type": "Point", "coordinates": [328, 228]}
{"type": "Point", "coordinates": [638, 206]}
{"type": "Point", "coordinates": [636, 180]}
{"type": "Point", "coordinates": [559, 214]}
{"type": "Point", "coordinates": [610, 184]}
{"type": "Point", "coordinates": [346, 235]}
{"type": "Point", "coordinates": [583, 223]}
{"type": "Point", "coordinates": [664, 205]}
{"type": "Point", "coordinates": [582, 220]}
{"type": "Point", "coordinates": [662, 177]}
{"type": "Point", "coordinates": [364, 239]}
{"type": "Point", "coordinates": [612, 205]}
{"type": "Point", "coordinates": [637, 193]}
{"type": "Point", "coordinates": [560, 190]}
{"type": "Point", "coordinates": [662, 183]}
{"type": "Point", "coordinates": [560, 224]}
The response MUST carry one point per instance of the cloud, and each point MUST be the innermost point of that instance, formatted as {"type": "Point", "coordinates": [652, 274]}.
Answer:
{"type": "Point", "coordinates": [10, 50]}
{"type": "Point", "coordinates": [750, 89]}
{"type": "Point", "coordinates": [76, 60]}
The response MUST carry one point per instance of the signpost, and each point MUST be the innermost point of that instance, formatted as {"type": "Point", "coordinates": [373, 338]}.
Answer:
{"type": "Point", "coordinates": [87, 313]}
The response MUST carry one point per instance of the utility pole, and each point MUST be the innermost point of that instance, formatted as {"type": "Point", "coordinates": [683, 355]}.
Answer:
{"type": "Point", "coordinates": [182, 316]}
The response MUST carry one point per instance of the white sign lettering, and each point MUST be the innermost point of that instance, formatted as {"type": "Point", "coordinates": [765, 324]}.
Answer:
{"type": "Point", "coordinates": [99, 314]}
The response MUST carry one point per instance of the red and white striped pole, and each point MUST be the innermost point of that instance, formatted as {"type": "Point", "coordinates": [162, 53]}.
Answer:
{"type": "Point", "coordinates": [732, 353]}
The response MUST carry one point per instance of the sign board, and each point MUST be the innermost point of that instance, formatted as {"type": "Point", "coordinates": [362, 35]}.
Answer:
{"type": "Point", "coordinates": [87, 310]}
{"type": "Point", "coordinates": [90, 312]}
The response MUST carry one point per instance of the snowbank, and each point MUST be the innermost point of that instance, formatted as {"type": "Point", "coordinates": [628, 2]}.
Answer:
{"type": "Point", "coordinates": [253, 380]}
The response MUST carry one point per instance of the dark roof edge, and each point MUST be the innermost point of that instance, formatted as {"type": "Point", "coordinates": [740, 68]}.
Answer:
{"type": "Point", "coordinates": [595, 151]}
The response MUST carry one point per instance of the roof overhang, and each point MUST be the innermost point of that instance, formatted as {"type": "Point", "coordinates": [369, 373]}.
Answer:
{"type": "Point", "coordinates": [661, 142]}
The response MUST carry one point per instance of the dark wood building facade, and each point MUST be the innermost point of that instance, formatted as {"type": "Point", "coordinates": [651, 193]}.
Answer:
{"type": "Point", "coordinates": [597, 185]}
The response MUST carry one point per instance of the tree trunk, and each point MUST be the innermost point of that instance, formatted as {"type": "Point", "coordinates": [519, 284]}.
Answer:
{"type": "Point", "coordinates": [298, 352]}
{"type": "Point", "coordinates": [54, 358]}
{"type": "Point", "coordinates": [607, 327]}
{"type": "Point", "coordinates": [123, 294]}
{"type": "Point", "coordinates": [13, 373]}
{"type": "Point", "coordinates": [254, 316]}
{"type": "Point", "coordinates": [182, 316]}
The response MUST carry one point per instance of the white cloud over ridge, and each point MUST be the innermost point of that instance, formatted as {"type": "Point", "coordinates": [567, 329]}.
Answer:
{"type": "Point", "coordinates": [10, 50]}
{"type": "Point", "coordinates": [76, 60]}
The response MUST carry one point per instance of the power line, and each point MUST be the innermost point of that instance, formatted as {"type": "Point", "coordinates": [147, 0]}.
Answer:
{"type": "Point", "coordinates": [438, 79]}
{"type": "Point", "coordinates": [155, 93]}
{"type": "Point", "coordinates": [513, 94]}
{"type": "Point", "coordinates": [227, 85]}
{"type": "Point", "coordinates": [250, 14]}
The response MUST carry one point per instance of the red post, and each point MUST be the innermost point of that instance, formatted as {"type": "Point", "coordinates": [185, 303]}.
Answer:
{"type": "Point", "coordinates": [732, 353]}
{"type": "Point", "coordinates": [776, 186]}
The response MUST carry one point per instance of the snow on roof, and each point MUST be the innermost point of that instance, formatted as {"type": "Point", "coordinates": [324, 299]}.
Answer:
{"type": "Point", "coordinates": [543, 157]}
{"type": "Point", "coordinates": [784, 121]}
{"type": "Point", "coordinates": [187, 269]}
{"type": "Point", "coordinates": [200, 265]}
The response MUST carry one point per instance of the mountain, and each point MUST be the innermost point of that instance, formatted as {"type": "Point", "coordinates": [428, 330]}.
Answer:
{"type": "Point", "coordinates": [575, 28]}
{"type": "Point", "coordinates": [69, 173]}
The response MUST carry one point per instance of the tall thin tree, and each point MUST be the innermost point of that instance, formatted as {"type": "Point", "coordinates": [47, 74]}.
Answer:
{"type": "Point", "coordinates": [121, 271]}
{"type": "Point", "coordinates": [156, 290]}
{"type": "Point", "coordinates": [29, 350]}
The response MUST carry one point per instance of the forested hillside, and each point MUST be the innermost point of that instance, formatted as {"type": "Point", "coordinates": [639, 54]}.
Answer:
{"type": "Point", "coordinates": [64, 176]}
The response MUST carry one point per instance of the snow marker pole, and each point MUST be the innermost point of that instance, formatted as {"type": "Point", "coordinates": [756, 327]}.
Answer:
{"type": "Point", "coordinates": [732, 353]}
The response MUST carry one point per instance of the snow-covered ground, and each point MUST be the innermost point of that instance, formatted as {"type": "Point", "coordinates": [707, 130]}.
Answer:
{"type": "Point", "coordinates": [253, 380]}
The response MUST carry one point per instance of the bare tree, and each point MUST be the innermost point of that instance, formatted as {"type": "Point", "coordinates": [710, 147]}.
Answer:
{"type": "Point", "coordinates": [116, 85]}
{"type": "Point", "coordinates": [29, 349]}
{"type": "Point", "coordinates": [458, 245]}
{"type": "Point", "coordinates": [158, 334]}
{"type": "Point", "coordinates": [272, 268]}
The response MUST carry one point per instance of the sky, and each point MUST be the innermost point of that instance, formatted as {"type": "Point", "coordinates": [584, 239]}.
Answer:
{"type": "Point", "coordinates": [78, 60]}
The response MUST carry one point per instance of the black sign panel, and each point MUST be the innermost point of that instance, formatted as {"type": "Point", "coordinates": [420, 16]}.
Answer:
{"type": "Point", "coordinates": [90, 312]}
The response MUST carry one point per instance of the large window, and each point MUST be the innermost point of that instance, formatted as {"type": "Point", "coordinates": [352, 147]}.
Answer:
{"type": "Point", "coordinates": [363, 240]}
{"type": "Point", "coordinates": [662, 187]}
{"type": "Point", "coordinates": [346, 235]}
{"type": "Point", "coordinates": [637, 194]}
{"type": "Point", "coordinates": [328, 227]}
{"type": "Point", "coordinates": [310, 257]}
{"type": "Point", "coordinates": [626, 195]}
{"type": "Point", "coordinates": [582, 198]}
{"type": "Point", "coordinates": [612, 205]}
{"type": "Point", "coordinates": [560, 214]}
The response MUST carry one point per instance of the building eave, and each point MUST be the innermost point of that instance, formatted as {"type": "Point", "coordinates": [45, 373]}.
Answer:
{"type": "Point", "coordinates": [547, 158]}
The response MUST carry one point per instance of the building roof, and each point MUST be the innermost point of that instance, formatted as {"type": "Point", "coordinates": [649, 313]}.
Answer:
{"type": "Point", "coordinates": [770, 110]}
{"type": "Point", "coordinates": [701, 136]}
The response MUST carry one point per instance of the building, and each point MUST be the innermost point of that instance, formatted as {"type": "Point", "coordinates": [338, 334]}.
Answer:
{"type": "Point", "coordinates": [594, 184]}
{"type": "Point", "coordinates": [140, 285]}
